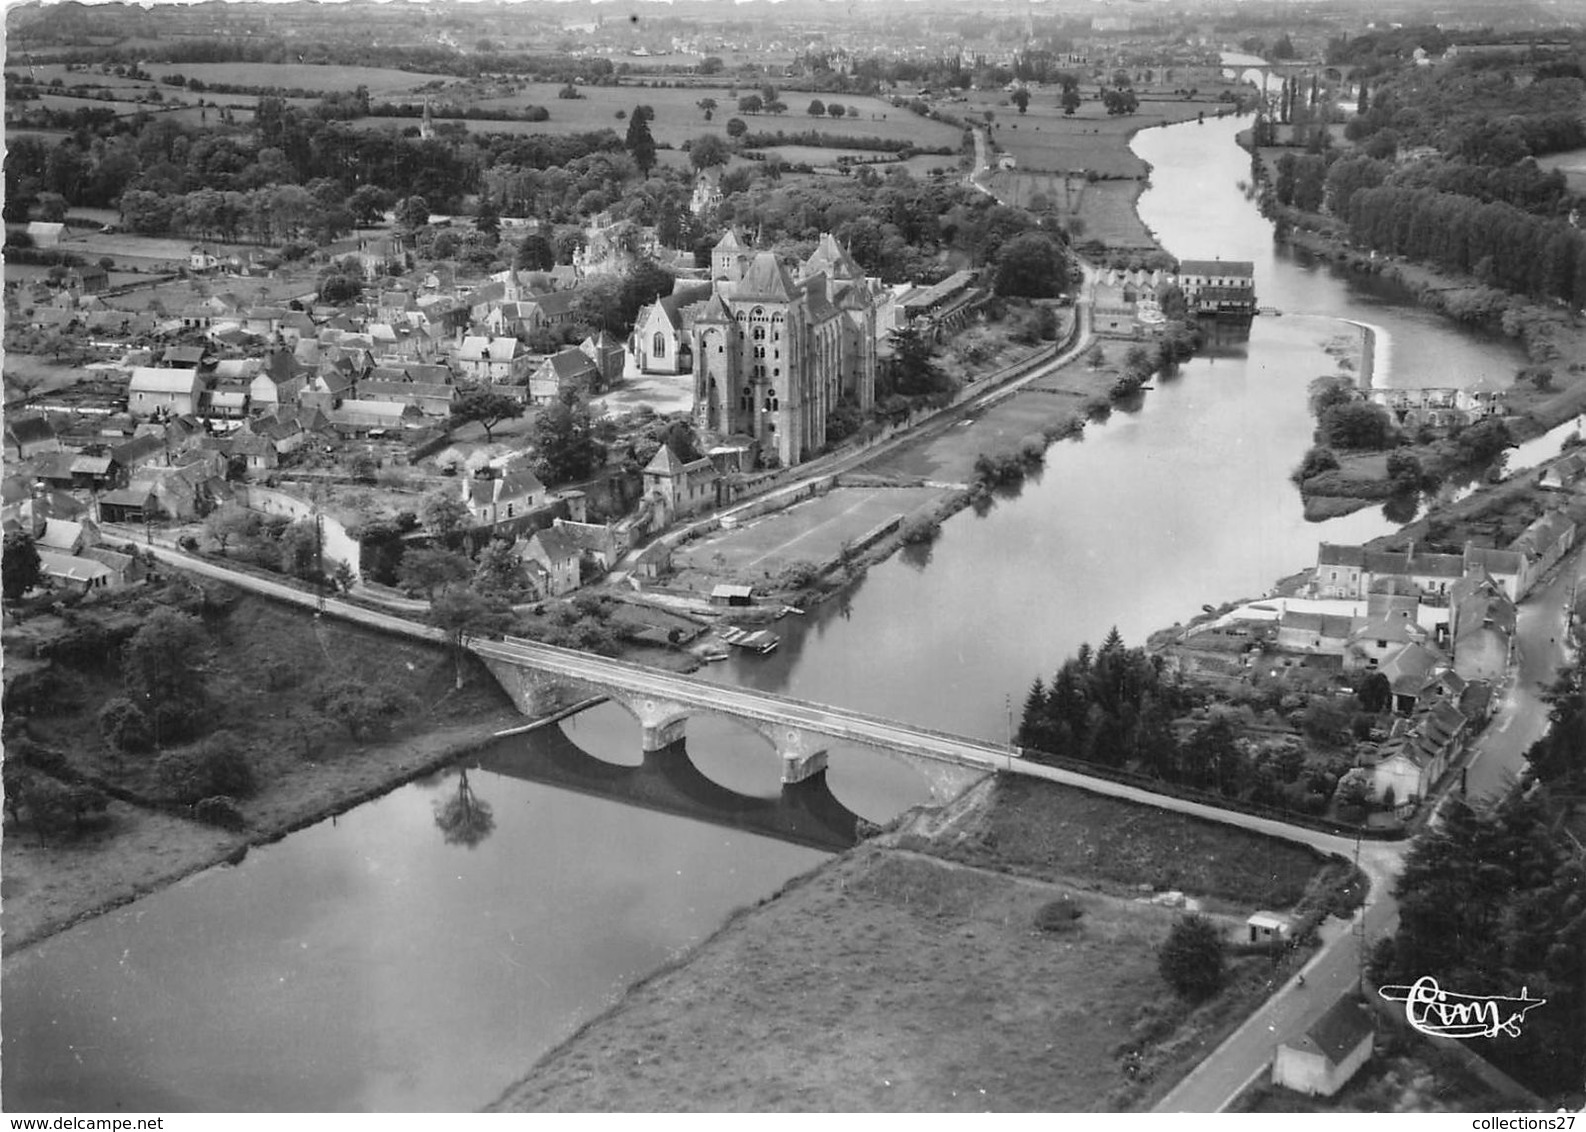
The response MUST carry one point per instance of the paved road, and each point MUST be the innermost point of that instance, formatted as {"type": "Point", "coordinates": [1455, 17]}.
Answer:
{"type": "Point", "coordinates": [1497, 757]}
{"type": "Point", "coordinates": [1522, 717]}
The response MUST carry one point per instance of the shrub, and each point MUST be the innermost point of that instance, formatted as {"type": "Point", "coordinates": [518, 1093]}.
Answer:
{"type": "Point", "coordinates": [124, 726]}
{"type": "Point", "coordinates": [1191, 959]}
{"type": "Point", "coordinates": [219, 810]}
{"type": "Point", "coordinates": [215, 766]}
{"type": "Point", "coordinates": [796, 575]}
{"type": "Point", "coordinates": [1059, 916]}
{"type": "Point", "coordinates": [918, 529]}
{"type": "Point", "coordinates": [1317, 461]}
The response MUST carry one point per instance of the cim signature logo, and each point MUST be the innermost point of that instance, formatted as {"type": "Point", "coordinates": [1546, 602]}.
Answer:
{"type": "Point", "coordinates": [1440, 1013]}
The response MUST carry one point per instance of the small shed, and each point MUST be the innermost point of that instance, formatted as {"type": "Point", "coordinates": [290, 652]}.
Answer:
{"type": "Point", "coordinates": [726, 594]}
{"type": "Point", "coordinates": [1268, 926]}
{"type": "Point", "coordinates": [1323, 1059]}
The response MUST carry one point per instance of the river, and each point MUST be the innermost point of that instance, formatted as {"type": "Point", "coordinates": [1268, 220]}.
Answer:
{"type": "Point", "coordinates": [367, 964]}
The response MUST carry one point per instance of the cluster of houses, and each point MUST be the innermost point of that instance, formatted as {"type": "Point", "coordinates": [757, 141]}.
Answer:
{"type": "Point", "coordinates": [1125, 301]}
{"type": "Point", "coordinates": [1439, 627]}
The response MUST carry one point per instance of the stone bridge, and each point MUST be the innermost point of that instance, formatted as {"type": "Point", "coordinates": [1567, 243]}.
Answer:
{"type": "Point", "coordinates": [542, 678]}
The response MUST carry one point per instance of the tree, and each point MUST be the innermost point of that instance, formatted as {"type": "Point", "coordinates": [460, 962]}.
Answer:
{"type": "Point", "coordinates": [708, 152]}
{"type": "Point", "coordinates": [817, 108]}
{"type": "Point", "coordinates": [1358, 424]}
{"type": "Point", "coordinates": [564, 438]}
{"type": "Point", "coordinates": [487, 407]}
{"type": "Point", "coordinates": [487, 220]}
{"type": "Point", "coordinates": [1283, 48]}
{"type": "Point", "coordinates": [914, 366]}
{"type": "Point", "coordinates": [231, 521]}
{"type": "Point", "coordinates": [835, 109]}
{"type": "Point", "coordinates": [751, 104]}
{"type": "Point", "coordinates": [20, 567]}
{"type": "Point", "coordinates": [1191, 958]}
{"type": "Point", "coordinates": [1070, 100]}
{"type": "Point", "coordinates": [499, 572]}
{"type": "Point", "coordinates": [446, 515]}
{"type": "Point", "coordinates": [737, 127]}
{"type": "Point", "coordinates": [1021, 99]}
{"type": "Point", "coordinates": [1374, 693]}
{"type": "Point", "coordinates": [464, 819]}
{"type": "Point", "coordinates": [163, 662]}
{"type": "Point", "coordinates": [640, 144]}
{"type": "Point", "coordinates": [535, 253]}
{"type": "Point", "coordinates": [463, 614]}
{"type": "Point", "coordinates": [413, 213]}
{"type": "Point", "coordinates": [707, 106]}
{"type": "Point", "coordinates": [1031, 265]}
{"type": "Point", "coordinates": [430, 569]}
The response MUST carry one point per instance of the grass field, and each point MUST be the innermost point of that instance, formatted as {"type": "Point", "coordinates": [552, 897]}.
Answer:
{"type": "Point", "coordinates": [383, 83]}
{"type": "Point", "coordinates": [678, 117]}
{"type": "Point", "coordinates": [897, 980]}
{"type": "Point", "coordinates": [813, 531]}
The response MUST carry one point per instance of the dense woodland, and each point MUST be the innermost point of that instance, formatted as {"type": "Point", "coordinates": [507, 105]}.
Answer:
{"type": "Point", "coordinates": [1479, 205]}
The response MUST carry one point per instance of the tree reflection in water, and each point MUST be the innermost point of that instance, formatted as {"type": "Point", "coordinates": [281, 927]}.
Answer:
{"type": "Point", "coordinates": [463, 818]}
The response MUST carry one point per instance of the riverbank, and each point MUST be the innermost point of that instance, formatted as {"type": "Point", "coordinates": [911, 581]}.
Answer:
{"type": "Point", "coordinates": [981, 957]}
{"type": "Point", "coordinates": [266, 668]}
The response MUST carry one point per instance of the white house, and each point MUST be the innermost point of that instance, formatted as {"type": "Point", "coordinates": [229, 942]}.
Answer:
{"type": "Point", "coordinates": [1323, 1059]}
{"type": "Point", "coordinates": [155, 390]}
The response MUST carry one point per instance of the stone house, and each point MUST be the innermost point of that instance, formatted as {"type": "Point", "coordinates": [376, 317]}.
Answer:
{"type": "Point", "coordinates": [495, 495]}
{"type": "Point", "coordinates": [1482, 629]}
{"type": "Point", "coordinates": [1322, 634]}
{"type": "Point", "coordinates": [562, 370]}
{"type": "Point", "coordinates": [676, 489]}
{"type": "Point", "coordinates": [1418, 753]}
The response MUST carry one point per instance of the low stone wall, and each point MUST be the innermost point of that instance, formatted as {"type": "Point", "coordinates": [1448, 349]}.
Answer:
{"type": "Point", "coordinates": [778, 501]}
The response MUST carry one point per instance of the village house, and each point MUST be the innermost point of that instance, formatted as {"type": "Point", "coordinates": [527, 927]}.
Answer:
{"type": "Point", "coordinates": [1417, 753]}
{"type": "Point", "coordinates": [1482, 629]}
{"type": "Point", "coordinates": [494, 495]}
{"type": "Point", "coordinates": [1321, 634]}
{"type": "Point", "coordinates": [1321, 1060]}
{"type": "Point", "coordinates": [1546, 541]}
{"type": "Point", "coordinates": [155, 391]}
{"type": "Point", "coordinates": [561, 556]}
{"type": "Point", "coordinates": [1564, 473]}
{"type": "Point", "coordinates": [1509, 568]}
{"type": "Point", "coordinates": [125, 568]}
{"type": "Point", "coordinates": [564, 369]}
{"type": "Point", "coordinates": [1411, 670]}
{"type": "Point", "coordinates": [555, 554]}
{"type": "Point", "coordinates": [28, 434]}
{"type": "Point", "coordinates": [1377, 639]}
{"type": "Point", "coordinates": [72, 573]}
{"type": "Point", "coordinates": [496, 361]}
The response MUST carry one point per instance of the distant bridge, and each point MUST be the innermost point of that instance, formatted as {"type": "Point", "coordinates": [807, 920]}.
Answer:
{"type": "Point", "coordinates": [543, 678]}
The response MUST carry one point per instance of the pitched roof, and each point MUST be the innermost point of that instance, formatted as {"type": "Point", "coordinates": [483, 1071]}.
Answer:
{"type": "Point", "coordinates": [30, 429]}
{"type": "Point", "coordinates": [152, 379]}
{"type": "Point", "coordinates": [1332, 625]}
{"type": "Point", "coordinates": [766, 279]}
{"type": "Point", "coordinates": [570, 363]}
{"type": "Point", "coordinates": [832, 259]}
{"type": "Point", "coordinates": [731, 243]}
{"type": "Point", "coordinates": [1237, 268]}
{"type": "Point", "coordinates": [664, 463]}
{"type": "Point", "coordinates": [1337, 1033]}
{"type": "Point", "coordinates": [557, 546]}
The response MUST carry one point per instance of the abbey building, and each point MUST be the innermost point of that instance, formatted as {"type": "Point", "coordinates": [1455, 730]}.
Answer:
{"type": "Point", "coordinates": [774, 354]}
